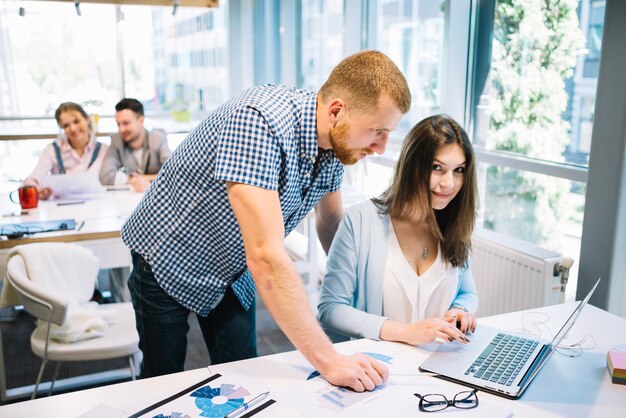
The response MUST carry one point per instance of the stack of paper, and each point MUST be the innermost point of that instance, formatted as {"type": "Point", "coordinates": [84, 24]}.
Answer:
{"type": "Point", "coordinates": [616, 363]}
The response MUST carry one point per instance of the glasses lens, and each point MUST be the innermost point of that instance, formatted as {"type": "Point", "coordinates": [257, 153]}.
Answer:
{"type": "Point", "coordinates": [432, 403]}
{"type": "Point", "coordinates": [465, 400]}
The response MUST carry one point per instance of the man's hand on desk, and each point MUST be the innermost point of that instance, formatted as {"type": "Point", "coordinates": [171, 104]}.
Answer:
{"type": "Point", "coordinates": [358, 371]}
{"type": "Point", "coordinates": [138, 182]}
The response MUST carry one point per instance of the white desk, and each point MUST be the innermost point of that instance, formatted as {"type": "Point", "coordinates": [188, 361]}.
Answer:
{"type": "Point", "coordinates": [103, 217]}
{"type": "Point", "coordinates": [566, 387]}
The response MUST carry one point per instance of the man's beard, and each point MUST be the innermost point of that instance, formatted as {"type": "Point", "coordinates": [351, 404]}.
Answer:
{"type": "Point", "coordinates": [132, 140]}
{"type": "Point", "coordinates": [338, 141]}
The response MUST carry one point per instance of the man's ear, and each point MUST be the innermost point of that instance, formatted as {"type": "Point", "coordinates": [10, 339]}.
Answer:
{"type": "Point", "coordinates": [141, 119]}
{"type": "Point", "coordinates": [337, 110]}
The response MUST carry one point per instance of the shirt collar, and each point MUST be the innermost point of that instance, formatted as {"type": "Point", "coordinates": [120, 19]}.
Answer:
{"type": "Point", "coordinates": [307, 129]}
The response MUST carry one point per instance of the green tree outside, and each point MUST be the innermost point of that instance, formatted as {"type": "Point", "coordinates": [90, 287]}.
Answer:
{"type": "Point", "coordinates": [534, 51]}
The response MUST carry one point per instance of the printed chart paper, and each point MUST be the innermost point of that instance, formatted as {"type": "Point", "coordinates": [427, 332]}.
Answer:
{"type": "Point", "coordinates": [213, 397]}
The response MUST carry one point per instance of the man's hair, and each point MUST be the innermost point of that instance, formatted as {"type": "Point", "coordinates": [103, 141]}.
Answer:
{"type": "Point", "coordinates": [130, 104]}
{"type": "Point", "coordinates": [361, 78]}
{"type": "Point", "coordinates": [410, 188]}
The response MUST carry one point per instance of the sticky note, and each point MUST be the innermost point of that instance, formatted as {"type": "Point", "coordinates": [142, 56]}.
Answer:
{"type": "Point", "coordinates": [616, 364]}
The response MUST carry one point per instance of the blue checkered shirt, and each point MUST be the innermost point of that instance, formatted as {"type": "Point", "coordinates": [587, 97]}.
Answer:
{"type": "Point", "coordinates": [184, 226]}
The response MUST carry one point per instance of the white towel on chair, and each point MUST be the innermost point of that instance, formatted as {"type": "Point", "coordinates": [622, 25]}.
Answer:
{"type": "Point", "coordinates": [82, 322]}
{"type": "Point", "coordinates": [66, 269]}
{"type": "Point", "coordinates": [71, 271]}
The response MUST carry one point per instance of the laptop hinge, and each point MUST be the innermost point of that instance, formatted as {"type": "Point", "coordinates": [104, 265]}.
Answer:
{"type": "Point", "coordinates": [536, 362]}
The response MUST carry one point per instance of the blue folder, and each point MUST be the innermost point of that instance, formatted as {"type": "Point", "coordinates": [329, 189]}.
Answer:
{"type": "Point", "coordinates": [18, 230]}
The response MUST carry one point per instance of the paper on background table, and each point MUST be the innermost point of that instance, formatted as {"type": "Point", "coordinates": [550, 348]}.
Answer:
{"type": "Point", "coordinates": [65, 186]}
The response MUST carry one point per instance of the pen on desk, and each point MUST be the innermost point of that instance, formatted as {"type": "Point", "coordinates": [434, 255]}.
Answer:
{"type": "Point", "coordinates": [76, 202]}
{"type": "Point", "coordinates": [246, 405]}
{"type": "Point", "coordinates": [80, 226]}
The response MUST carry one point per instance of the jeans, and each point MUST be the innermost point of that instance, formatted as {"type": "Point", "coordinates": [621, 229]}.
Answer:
{"type": "Point", "coordinates": [229, 331]}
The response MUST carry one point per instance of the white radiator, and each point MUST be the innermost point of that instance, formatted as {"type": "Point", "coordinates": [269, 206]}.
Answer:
{"type": "Point", "coordinates": [511, 274]}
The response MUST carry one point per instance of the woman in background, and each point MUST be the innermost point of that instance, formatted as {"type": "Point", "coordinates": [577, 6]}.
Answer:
{"type": "Point", "coordinates": [74, 151]}
{"type": "Point", "coordinates": [399, 267]}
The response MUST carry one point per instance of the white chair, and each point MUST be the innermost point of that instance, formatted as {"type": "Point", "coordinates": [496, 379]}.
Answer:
{"type": "Point", "coordinates": [51, 307]}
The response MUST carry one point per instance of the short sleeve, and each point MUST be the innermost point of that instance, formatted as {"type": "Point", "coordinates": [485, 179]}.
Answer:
{"type": "Point", "coordinates": [247, 150]}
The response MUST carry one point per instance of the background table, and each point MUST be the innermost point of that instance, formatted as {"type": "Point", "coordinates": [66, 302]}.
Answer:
{"type": "Point", "coordinates": [102, 215]}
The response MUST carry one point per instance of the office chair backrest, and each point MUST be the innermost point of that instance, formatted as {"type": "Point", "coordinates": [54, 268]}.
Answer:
{"type": "Point", "coordinates": [37, 301]}
{"type": "Point", "coordinates": [63, 268]}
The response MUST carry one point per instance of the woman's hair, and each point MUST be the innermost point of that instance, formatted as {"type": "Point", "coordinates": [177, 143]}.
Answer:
{"type": "Point", "coordinates": [410, 188]}
{"type": "Point", "coordinates": [68, 107]}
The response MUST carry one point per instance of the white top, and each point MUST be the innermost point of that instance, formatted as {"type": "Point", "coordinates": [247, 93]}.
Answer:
{"type": "Point", "coordinates": [409, 297]}
{"type": "Point", "coordinates": [121, 177]}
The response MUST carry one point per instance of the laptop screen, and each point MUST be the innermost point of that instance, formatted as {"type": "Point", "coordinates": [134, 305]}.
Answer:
{"type": "Point", "coordinates": [554, 344]}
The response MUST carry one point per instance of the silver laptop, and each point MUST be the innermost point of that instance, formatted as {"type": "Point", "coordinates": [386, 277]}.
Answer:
{"type": "Point", "coordinates": [499, 362]}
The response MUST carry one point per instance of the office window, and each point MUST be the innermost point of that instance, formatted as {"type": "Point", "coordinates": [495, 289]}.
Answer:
{"type": "Point", "coordinates": [595, 16]}
{"type": "Point", "coordinates": [52, 55]}
{"type": "Point", "coordinates": [195, 38]}
{"type": "Point", "coordinates": [533, 117]}
{"type": "Point", "coordinates": [322, 40]}
{"type": "Point", "coordinates": [411, 33]}
{"type": "Point", "coordinates": [48, 56]}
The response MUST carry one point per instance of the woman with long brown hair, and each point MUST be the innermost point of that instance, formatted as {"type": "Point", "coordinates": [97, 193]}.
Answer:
{"type": "Point", "coordinates": [399, 266]}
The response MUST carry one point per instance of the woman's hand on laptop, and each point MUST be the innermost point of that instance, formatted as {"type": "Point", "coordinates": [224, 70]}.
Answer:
{"type": "Point", "coordinates": [463, 319]}
{"type": "Point", "coordinates": [423, 332]}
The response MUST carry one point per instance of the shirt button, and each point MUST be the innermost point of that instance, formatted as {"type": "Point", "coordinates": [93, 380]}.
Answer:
{"type": "Point", "coordinates": [307, 174]}
{"type": "Point", "coordinates": [303, 155]}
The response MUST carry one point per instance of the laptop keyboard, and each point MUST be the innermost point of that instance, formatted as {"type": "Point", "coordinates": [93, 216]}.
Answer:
{"type": "Point", "coordinates": [503, 359]}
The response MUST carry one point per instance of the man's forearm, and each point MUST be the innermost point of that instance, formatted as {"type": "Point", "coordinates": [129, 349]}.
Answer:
{"type": "Point", "coordinates": [326, 229]}
{"type": "Point", "coordinates": [148, 177]}
{"type": "Point", "coordinates": [280, 287]}
{"type": "Point", "coordinates": [328, 214]}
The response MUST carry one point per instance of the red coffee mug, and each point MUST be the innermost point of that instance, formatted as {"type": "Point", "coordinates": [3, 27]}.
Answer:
{"type": "Point", "coordinates": [29, 197]}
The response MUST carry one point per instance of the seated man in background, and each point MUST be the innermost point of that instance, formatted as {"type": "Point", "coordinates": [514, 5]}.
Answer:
{"type": "Point", "coordinates": [135, 155]}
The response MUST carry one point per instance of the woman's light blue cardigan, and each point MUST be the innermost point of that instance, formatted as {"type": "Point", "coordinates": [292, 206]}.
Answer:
{"type": "Point", "coordinates": [351, 300]}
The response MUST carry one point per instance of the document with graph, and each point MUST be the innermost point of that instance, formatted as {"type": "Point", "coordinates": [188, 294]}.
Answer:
{"type": "Point", "coordinates": [217, 396]}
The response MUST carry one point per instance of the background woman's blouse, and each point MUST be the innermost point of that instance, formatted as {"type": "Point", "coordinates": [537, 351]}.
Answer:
{"type": "Point", "coordinates": [72, 162]}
